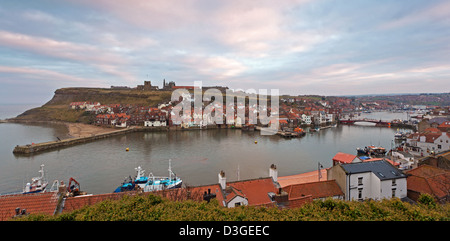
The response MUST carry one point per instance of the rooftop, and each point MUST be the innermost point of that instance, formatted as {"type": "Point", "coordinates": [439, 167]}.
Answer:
{"type": "Point", "coordinates": [320, 189]}
{"type": "Point", "coordinates": [306, 177]}
{"type": "Point", "coordinates": [428, 179]}
{"type": "Point", "coordinates": [36, 203]}
{"type": "Point", "coordinates": [344, 157]}
{"type": "Point", "coordinates": [382, 169]}
{"type": "Point", "coordinates": [255, 190]}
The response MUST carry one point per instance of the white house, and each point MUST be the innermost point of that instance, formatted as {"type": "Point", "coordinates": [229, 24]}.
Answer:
{"type": "Point", "coordinates": [306, 119]}
{"type": "Point", "coordinates": [154, 123]}
{"type": "Point", "coordinates": [235, 197]}
{"type": "Point", "coordinates": [405, 159]}
{"type": "Point", "coordinates": [369, 180]}
{"type": "Point", "coordinates": [443, 142]}
{"type": "Point", "coordinates": [430, 141]}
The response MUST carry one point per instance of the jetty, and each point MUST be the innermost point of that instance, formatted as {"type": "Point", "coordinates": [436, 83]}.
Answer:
{"type": "Point", "coordinates": [44, 146]}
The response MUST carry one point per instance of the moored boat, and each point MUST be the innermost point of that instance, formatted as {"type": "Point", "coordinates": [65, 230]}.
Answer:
{"type": "Point", "coordinates": [150, 183]}
{"type": "Point", "coordinates": [371, 151]}
{"type": "Point", "coordinates": [162, 183]}
{"type": "Point", "coordinates": [38, 184]}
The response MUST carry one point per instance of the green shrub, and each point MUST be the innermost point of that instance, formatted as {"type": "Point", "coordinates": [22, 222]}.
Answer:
{"type": "Point", "coordinates": [151, 207]}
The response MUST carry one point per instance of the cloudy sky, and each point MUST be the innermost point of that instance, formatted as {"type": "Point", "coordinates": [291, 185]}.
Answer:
{"type": "Point", "coordinates": [299, 47]}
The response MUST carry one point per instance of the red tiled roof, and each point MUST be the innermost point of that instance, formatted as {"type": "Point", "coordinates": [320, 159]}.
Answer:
{"type": "Point", "coordinates": [445, 124]}
{"type": "Point", "coordinates": [320, 189]}
{"type": "Point", "coordinates": [344, 157]}
{"type": "Point", "coordinates": [255, 190]}
{"type": "Point", "coordinates": [432, 130]}
{"type": "Point", "coordinates": [429, 179]}
{"type": "Point", "coordinates": [36, 203]}
{"type": "Point", "coordinates": [430, 137]}
{"type": "Point", "coordinates": [298, 202]}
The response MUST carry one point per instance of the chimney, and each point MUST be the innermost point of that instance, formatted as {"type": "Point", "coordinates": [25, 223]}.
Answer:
{"type": "Point", "coordinates": [222, 180]}
{"type": "Point", "coordinates": [273, 173]}
{"type": "Point", "coordinates": [62, 189]}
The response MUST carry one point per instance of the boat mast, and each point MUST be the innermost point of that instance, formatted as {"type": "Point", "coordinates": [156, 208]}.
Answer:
{"type": "Point", "coordinates": [170, 170]}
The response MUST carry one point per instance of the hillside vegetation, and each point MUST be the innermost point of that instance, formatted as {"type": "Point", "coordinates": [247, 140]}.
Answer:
{"type": "Point", "coordinates": [57, 109]}
{"type": "Point", "coordinates": [151, 207]}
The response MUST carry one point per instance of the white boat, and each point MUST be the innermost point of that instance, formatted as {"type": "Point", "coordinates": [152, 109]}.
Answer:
{"type": "Point", "coordinates": [150, 183]}
{"type": "Point", "coordinates": [161, 183]}
{"type": "Point", "coordinates": [38, 184]}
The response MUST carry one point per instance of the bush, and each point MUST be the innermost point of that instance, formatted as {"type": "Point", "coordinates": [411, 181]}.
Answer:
{"type": "Point", "coordinates": [150, 207]}
{"type": "Point", "coordinates": [427, 200]}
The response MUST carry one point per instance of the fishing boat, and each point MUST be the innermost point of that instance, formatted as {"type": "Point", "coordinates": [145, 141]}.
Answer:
{"type": "Point", "coordinates": [38, 184]}
{"type": "Point", "coordinates": [371, 151]}
{"type": "Point", "coordinates": [362, 151]}
{"type": "Point", "coordinates": [162, 183]}
{"type": "Point", "coordinates": [150, 183]}
{"type": "Point", "coordinates": [376, 151]}
{"type": "Point", "coordinates": [400, 136]}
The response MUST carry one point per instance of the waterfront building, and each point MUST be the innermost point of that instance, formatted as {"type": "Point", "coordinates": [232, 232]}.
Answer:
{"type": "Point", "coordinates": [430, 140]}
{"type": "Point", "coordinates": [306, 119]}
{"type": "Point", "coordinates": [369, 180]}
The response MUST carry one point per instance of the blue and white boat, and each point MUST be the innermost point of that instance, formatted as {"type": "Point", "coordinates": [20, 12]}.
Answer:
{"type": "Point", "coordinates": [38, 184]}
{"type": "Point", "coordinates": [150, 183]}
{"type": "Point", "coordinates": [162, 183]}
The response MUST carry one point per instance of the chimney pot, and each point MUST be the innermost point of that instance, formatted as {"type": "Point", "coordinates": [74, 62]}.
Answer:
{"type": "Point", "coordinates": [222, 180]}
{"type": "Point", "coordinates": [273, 173]}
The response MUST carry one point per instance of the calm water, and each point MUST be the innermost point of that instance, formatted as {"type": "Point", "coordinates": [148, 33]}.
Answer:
{"type": "Point", "coordinates": [197, 156]}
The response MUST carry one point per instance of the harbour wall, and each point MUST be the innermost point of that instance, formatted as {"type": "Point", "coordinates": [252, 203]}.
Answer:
{"type": "Point", "coordinates": [39, 147]}
{"type": "Point", "coordinates": [51, 145]}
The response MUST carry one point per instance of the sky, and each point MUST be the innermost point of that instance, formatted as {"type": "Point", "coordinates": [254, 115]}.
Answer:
{"type": "Point", "coordinates": [300, 47]}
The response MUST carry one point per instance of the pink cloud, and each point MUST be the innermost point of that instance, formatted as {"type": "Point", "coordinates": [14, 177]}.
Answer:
{"type": "Point", "coordinates": [103, 59]}
{"type": "Point", "coordinates": [49, 75]}
{"type": "Point", "coordinates": [59, 49]}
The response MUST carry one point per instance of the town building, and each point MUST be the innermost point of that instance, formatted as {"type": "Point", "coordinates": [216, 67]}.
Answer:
{"type": "Point", "coordinates": [147, 86]}
{"type": "Point", "coordinates": [344, 158]}
{"type": "Point", "coordinates": [369, 180]}
{"type": "Point", "coordinates": [430, 180]}
{"type": "Point", "coordinates": [313, 190]}
{"type": "Point", "coordinates": [430, 140]}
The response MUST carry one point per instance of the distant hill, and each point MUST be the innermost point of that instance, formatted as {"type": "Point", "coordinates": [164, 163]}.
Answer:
{"type": "Point", "coordinates": [57, 109]}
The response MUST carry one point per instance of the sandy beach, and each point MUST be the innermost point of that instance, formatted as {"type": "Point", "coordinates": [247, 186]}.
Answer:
{"type": "Point", "coordinates": [84, 130]}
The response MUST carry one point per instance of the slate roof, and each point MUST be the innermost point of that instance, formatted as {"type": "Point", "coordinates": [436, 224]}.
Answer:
{"type": "Point", "coordinates": [382, 169]}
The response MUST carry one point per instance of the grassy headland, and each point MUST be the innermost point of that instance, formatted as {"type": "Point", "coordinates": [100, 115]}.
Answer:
{"type": "Point", "coordinates": [57, 109]}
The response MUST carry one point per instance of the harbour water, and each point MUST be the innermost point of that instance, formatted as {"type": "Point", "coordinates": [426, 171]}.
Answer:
{"type": "Point", "coordinates": [197, 156]}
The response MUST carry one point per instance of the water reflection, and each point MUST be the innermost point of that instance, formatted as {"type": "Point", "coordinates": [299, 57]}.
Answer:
{"type": "Point", "coordinates": [197, 156]}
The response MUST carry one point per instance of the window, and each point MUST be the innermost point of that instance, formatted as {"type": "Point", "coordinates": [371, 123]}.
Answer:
{"type": "Point", "coordinates": [394, 183]}
{"type": "Point", "coordinates": [360, 181]}
{"type": "Point", "coordinates": [439, 147]}
{"type": "Point", "coordinates": [360, 193]}
{"type": "Point", "coordinates": [393, 192]}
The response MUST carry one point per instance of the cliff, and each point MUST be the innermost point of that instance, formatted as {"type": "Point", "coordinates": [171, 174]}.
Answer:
{"type": "Point", "coordinates": [57, 109]}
